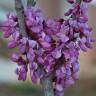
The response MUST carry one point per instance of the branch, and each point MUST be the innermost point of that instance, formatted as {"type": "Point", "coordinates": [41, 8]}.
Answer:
{"type": "Point", "coordinates": [31, 3]}
{"type": "Point", "coordinates": [47, 86]}
{"type": "Point", "coordinates": [46, 81]}
{"type": "Point", "coordinates": [20, 15]}
{"type": "Point", "coordinates": [79, 1]}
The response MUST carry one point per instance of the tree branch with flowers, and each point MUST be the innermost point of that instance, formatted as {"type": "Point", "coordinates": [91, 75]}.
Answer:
{"type": "Point", "coordinates": [48, 48]}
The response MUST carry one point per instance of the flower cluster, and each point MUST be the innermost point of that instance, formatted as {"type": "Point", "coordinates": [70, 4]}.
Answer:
{"type": "Point", "coordinates": [51, 46]}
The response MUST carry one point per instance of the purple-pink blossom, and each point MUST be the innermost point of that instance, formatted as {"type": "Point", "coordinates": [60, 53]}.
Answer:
{"type": "Point", "coordinates": [51, 44]}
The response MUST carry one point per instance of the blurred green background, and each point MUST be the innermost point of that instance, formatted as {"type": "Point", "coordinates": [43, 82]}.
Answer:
{"type": "Point", "coordinates": [10, 86]}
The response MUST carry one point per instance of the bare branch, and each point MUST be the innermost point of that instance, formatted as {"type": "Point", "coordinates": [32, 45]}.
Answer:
{"type": "Point", "coordinates": [31, 3]}
{"type": "Point", "coordinates": [20, 15]}
{"type": "Point", "coordinates": [47, 86]}
{"type": "Point", "coordinates": [79, 1]}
